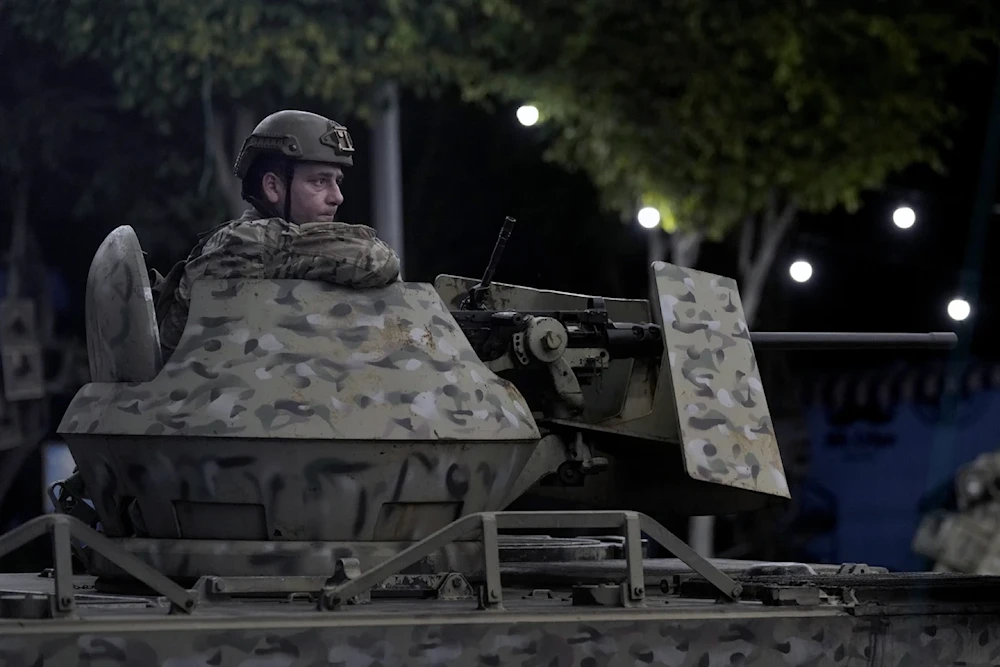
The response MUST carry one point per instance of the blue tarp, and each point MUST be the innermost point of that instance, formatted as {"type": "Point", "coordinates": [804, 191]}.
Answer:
{"type": "Point", "coordinates": [877, 473]}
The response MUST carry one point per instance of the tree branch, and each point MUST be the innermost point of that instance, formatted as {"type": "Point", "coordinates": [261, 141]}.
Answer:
{"type": "Point", "coordinates": [685, 247]}
{"type": "Point", "coordinates": [771, 206]}
{"type": "Point", "coordinates": [227, 183]}
{"type": "Point", "coordinates": [775, 227]}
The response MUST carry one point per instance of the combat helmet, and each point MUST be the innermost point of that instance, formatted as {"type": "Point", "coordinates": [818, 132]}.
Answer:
{"type": "Point", "coordinates": [295, 136]}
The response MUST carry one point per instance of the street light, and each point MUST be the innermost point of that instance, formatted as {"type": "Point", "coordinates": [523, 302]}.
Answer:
{"type": "Point", "coordinates": [959, 309]}
{"type": "Point", "coordinates": [800, 271]}
{"type": "Point", "coordinates": [904, 217]}
{"type": "Point", "coordinates": [528, 114]}
{"type": "Point", "coordinates": [648, 217]}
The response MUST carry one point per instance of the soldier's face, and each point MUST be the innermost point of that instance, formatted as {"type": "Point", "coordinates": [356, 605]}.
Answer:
{"type": "Point", "coordinates": [316, 194]}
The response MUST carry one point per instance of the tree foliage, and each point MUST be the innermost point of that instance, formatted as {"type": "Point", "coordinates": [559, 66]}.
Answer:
{"type": "Point", "coordinates": [237, 61]}
{"type": "Point", "coordinates": [161, 53]}
{"type": "Point", "coordinates": [166, 55]}
{"type": "Point", "coordinates": [67, 150]}
{"type": "Point", "coordinates": [713, 110]}
{"type": "Point", "coordinates": [733, 115]}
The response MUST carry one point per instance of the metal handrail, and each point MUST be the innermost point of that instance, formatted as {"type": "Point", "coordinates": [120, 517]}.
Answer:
{"type": "Point", "coordinates": [62, 528]}
{"type": "Point", "coordinates": [333, 596]}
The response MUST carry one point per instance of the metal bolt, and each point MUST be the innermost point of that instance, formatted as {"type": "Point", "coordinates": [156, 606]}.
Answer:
{"type": "Point", "coordinates": [638, 591]}
{"type": "Point", "coordinates": [493, 594]}
{"type": "Point", "coordinates": [551, 341]}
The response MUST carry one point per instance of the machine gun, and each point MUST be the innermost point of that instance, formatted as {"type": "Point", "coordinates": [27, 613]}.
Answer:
{"type": "Point", "coordinates": [577, 345]}
{"type": "Point", "coordinates": [475, 298]}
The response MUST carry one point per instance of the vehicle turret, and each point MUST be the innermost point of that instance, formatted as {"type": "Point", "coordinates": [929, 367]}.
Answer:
{"type": "Point", "coordinates": [299, 422]}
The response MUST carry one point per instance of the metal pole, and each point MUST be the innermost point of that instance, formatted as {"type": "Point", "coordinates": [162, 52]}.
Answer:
{"type": "Point", "coordinates": [701, 535]}
{"type": "Point", "coordinates": [387, 171]}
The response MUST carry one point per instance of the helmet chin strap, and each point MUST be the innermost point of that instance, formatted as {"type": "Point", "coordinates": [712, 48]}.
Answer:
{"type": "Point", "coordinates": [263, 206]}
{"type": "Point", "coordinates": [266, 207]}
{"type": "Point", "coordinates": [289, 175]}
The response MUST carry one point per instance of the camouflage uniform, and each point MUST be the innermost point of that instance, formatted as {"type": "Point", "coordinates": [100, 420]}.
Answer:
{"type": "Point", "coordinates": [267, 245]}
{"type": "Point", "coordinates": [257, 246]}
{"type": "Point", "coordinates": [968, 539]}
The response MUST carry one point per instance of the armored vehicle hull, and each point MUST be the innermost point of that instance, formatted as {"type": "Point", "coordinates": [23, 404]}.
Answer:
{"type": "Point", "coordinates": [561, 611]}
{"type": "Point", "coordinates": [318, 476]}
{"type": "Point", "coordinates": [681, 633]}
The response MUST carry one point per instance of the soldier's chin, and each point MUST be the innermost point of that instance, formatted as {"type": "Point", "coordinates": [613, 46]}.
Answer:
{"type": "Point", "coordinates": [326, 217]}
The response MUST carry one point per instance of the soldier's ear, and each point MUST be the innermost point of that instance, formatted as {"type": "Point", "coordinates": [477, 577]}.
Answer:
{"type": "Point", "coordinates": [272, 187]}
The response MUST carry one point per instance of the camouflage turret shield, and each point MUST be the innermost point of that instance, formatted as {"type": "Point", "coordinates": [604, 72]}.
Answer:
{"type": "Point", "coordinates": [724, 425]}
{"type": "Point", "coordinates": [123, 343]}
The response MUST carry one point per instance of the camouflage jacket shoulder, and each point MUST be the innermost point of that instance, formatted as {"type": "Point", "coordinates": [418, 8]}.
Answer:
{"type": "Point", "coordinates": [254, 246]}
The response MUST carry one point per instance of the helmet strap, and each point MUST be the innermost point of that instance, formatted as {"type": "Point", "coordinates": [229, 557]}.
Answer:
{"type": "Point", "coordinates": [266, 207]}
{"type": "Point", "coordinates": [289, 175]}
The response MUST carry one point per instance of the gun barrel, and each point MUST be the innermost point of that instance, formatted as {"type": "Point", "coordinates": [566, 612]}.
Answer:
{"type": "Point", "coordinates": [508, 225]}
{"type": "Point", "coordinates": [938, 340]}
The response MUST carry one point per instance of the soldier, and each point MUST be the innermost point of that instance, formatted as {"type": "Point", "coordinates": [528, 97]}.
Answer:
{"type": "Point", "coordinates": [291, 166]}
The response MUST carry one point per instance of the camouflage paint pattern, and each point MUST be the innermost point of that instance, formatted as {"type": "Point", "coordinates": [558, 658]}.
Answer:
{"type": "Point", "coordinates": [302, 411]}
{"type": "Point", "coordinates": [725, 426]}
{"type": "Point", "coordinates": [967, 540]}
{"type": "Point", "coordinates": [961, 541]}
{"type": "Point", "coordinates": [295, 490]}
{"type": "Point", "coordinates": [255, 246]}
{"type": "Point", "coordinates": [307, 359]}
{"type": "Point", "coordinates": [688, 636]}
{"type": "Point", "coordinates": [123, 342]}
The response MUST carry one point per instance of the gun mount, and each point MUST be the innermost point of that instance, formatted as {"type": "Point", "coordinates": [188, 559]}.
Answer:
{"type": "Point", "coordinates": [310, 450]}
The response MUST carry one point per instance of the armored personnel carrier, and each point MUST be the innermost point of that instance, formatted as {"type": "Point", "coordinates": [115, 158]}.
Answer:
{"type": "Point", "coordinates": [318, 476]}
